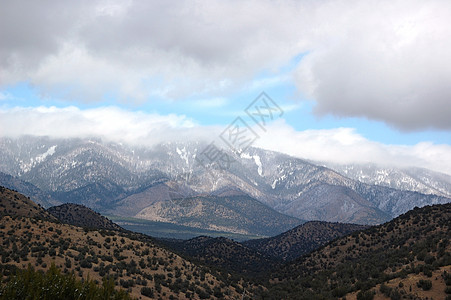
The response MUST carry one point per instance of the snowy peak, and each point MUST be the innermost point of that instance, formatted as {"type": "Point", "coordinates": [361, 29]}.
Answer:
{"type": "Point", "coordinates": [406, 179]}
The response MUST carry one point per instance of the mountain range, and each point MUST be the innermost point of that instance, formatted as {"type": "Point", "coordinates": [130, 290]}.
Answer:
{"type": "Point", "coordinates": [404, 178]}
{"type": "Point", "coordinates": [167, 183]}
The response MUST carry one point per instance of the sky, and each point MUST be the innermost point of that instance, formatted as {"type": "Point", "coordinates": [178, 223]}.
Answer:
{"type": "Point", "coordinates": [355, 81]}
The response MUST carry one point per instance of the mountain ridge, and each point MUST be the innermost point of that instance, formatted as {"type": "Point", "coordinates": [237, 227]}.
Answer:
{"type": "Point", "coordinates": [101, 174]}
{"type": "Point", "coordinates": [302, 239]}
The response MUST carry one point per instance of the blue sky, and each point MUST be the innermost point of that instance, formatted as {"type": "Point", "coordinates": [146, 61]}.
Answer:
{"type": "Point", "coordinates": [370, 75]}
{"type": "Point", "coordinates": [220, 111]}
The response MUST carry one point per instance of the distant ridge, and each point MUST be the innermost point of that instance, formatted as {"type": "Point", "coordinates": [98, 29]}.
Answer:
{"type": "Point", "coordinates": [302, 239]}
{"type": "Point", "coordinates": [28, 189]}
{"type": "Point", "coordinates": [225, 253]}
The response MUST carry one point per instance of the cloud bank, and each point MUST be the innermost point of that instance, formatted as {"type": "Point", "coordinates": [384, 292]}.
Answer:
{"type": "Point", "coordinates": [383, 60]}
{"type": "Point", "coordinates": [345, 145]}
{"type": "Point", "coordinates": [341, 145]}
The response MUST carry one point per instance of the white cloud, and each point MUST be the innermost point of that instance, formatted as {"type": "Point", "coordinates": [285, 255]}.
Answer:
{"type": "Point", "coordinates": [345, 145]}
{"type": "Point", "coordinates": [110, 123]}
{"type": "Point", "coordinates": [341, 145]}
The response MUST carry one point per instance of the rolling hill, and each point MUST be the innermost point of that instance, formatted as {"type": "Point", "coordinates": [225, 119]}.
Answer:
{"type": "Point", "coordinates": [408, 256]}
{"type": "Point", "coordinates": [301, 239]}
{"type": "Point", "coordinates": [30, 235]}
{"type": "Point", "coordinates": [225, 254]}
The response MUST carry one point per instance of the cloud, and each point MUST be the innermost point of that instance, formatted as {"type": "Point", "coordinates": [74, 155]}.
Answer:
{"type": "Point", "coordinates": [140, 50]}
{"type": "Point", "coordinates": [340, 145]}
{"type": "Point", "coordinates": [110, 123]}
{"type": "Point", "coordinates": [345, 145]}
{"type": "Point", "coordinates": [383, 60]}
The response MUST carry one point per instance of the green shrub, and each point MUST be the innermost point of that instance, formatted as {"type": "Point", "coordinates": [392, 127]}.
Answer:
{"type": "Point", "coordinates": [31, 284]}
{"type": "Point", "coordinates": [148, 292]}
{"type": "Point", "coordinates": [426, 285]}
{"type": "Point", "coordinates": [365, 295]}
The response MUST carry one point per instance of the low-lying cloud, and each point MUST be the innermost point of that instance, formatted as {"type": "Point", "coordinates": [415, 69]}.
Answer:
{"type": "Point", "coordinates": [346, 145]}
{"type": "Point", "coordinates": [341, 145]}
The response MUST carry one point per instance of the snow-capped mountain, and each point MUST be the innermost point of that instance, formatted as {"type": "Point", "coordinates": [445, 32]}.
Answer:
{"type": "Point", "coordinates": [123, 178]}
{"type": "Point", "coordinates": [406, 179]}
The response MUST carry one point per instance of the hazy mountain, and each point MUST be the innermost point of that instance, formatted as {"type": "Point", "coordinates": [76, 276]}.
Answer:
{"type": "Point", "coordinates": [43, 198]}
{"type": "Point", "coordinates": [237, 214]}
{"type": "Point", "coordinates": [111, 176]}
{"type": "Point", "coordinates": [406, 179]}
{"type": "Point", "coordinates": [302, 239]}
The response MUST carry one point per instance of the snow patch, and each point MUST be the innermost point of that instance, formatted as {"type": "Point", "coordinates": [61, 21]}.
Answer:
{"type": "Point", "coordinates": [245, 155]}
{"type": "Point", "coordinates": [258, 162]}
{"type": "Point", "coordinates": [183, 154]}
{"type": "Point", "coordinates": [43, 156]}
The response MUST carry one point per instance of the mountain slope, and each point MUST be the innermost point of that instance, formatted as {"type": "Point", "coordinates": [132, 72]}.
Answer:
{"type": "Point", "coordinates": [414, 246]}
{"type": "Point", "coordinates": [133, 261]}
{"type": "Point", "coordinates": [81, 216]}
{"type": "Point", "coordinates": [237, 214]}
{"type": "Point", "coordinates": [405, 179]}
{"type": "Point", "coordinates": [102, 175]}
{"type": "Point", "coordinates": [302, 239]}
{"type": "Point", "coordinates": [224, 253]}
{"type": "Point", "coordinates": [43, 198]}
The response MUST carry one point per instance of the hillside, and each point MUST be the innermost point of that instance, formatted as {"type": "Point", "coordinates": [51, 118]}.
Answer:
{"type": "Point", "coordinates": [134, 262]}
{"type": "Point", "coordinates": [13, 203]}
{"type": "Point", "coordinates": [238, 214]}
{"type": "Point", "coordinates": [81, 216]}
{"type": "Point", "coordinates": [39, 196]}
{"type": "Point", "coordinates": [302, 239]}
{"type": "Point", "coordinates": [408, 256]}
{"type": "Point", "coordinates": [225, 254]}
